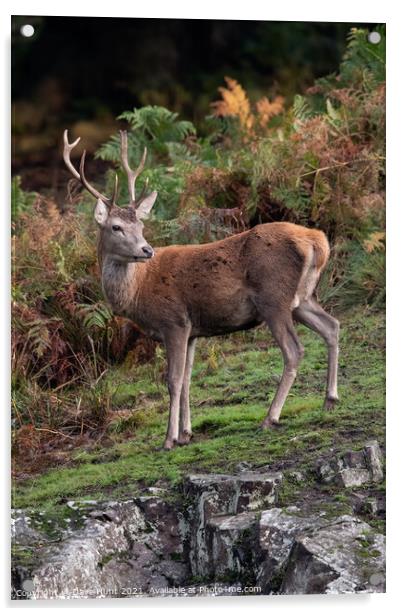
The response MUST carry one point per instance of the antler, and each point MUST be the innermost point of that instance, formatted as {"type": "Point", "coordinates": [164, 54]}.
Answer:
{"type": "Point", "coordinates": [132, 175]}
{"type": "Point", "coordinates": [68, 147]}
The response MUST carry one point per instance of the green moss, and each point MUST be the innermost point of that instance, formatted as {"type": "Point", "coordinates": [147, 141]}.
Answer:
{"type": "Point", "coordinates": [341, 498]}
{"type": "Point", "coordinates": [378, 525]}
{"type": "Point", "coordinates": [22, 555]}
{"type": "Point", "coordinates": [368, 553]}
{"type": "Point", "coordinates": [288, 493]}
{"type": "Point", "coordinates": [334, 509]}
{"type": "Point", "coordinates": [120, 555]}
{"type": "Point", "coordinates": [176, 556]}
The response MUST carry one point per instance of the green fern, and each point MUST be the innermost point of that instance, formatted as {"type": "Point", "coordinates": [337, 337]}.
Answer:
{"type": "Point", "coordinates": [363, 57]}
{"type": "Point", "coordinates": [151, 126]}
{"type": "Point", "coordinates": [169, 157]}
{"type": "Point", "coordinates": [95, 315]}
{"type": "Point", "coordinates": [301, 108]}
{"type": "Point", "coordinates": [180, 154]}
{"type": "Point", "coordinates": [38, 335]}
{"type": "Point", "coordinates": [21, 200]}
{"type": "Point", "coordinates": [158, 123]}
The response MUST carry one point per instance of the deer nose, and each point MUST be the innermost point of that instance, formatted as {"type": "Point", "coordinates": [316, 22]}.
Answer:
{"type": "Point", "coordinates": [148, 251]}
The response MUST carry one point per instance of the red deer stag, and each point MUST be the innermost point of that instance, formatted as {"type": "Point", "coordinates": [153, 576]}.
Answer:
{"type": "Point", "coordinates": [176, 294]}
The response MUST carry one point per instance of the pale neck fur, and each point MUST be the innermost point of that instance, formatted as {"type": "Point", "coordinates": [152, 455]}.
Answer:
{"type": "Point", "coordinates": [120, 282]}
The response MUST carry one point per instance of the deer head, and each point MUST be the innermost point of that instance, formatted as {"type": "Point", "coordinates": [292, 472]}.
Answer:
{"type": "Point", "coordinates": [120, 227]}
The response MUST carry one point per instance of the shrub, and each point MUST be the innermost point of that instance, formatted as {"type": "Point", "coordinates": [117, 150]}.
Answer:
{"type": "Point", "coordinates": [168, 141]}
{"type": "Point", "coordinates": [21, 201]}
{"type": "Point", "coordinates": [64, 336]}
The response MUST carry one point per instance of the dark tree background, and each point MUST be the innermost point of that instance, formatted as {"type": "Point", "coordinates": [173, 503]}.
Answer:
{"type": "Point", "coordinates": [88, 70]}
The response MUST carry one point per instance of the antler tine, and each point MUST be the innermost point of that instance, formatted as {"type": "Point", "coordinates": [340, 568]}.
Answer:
{"type": "Point", "coordinates": [143, 191]}
{"type": "Point", "coordinates": [68, 147]}
{"type": "Point", "coordinates": [131, 175]}
{"type": "Point", "coordinates": [88, 186]}
{"type": "Point", "coordinates": [66, 154]}
{"type": "Point", "coordinates": [115, 189]}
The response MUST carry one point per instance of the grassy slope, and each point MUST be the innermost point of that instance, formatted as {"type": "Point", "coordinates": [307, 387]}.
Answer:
{"type": "Point", "coordinates": [233, 379]}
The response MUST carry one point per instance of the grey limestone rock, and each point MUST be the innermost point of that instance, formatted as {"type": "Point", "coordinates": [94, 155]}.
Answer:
{"type": "Point", "coordinates": [353, 468]}
{"type": "Point", "coordinates": [221, 527]}
{"type": "Point", "coordinates": [344, 556]}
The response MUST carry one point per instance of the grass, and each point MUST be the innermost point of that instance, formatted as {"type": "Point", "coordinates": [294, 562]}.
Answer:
{"type": "Point", "coordinates": [234, 378]}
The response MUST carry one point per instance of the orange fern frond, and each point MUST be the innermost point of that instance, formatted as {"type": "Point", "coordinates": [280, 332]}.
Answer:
{"type": "Point", "coordinates": [375, 241]}
{"type": "Point", "coordinates": [267, 110]}
{"type": "Point", "coordinates": [234, 103]}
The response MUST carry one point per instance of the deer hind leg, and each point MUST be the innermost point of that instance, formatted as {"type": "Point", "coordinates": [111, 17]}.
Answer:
{"type": "Point", "coordinates": [311, 314]}
{"type": "Point", "coordinates": [176, 349]}
{"type": "Point", "coordinates": [283, 330]}
{"type": "Point", "coordinates": [185, 433]}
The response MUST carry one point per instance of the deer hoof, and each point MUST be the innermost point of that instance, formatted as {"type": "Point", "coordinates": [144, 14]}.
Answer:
{"type": "Point", "coordinates": [329, 403]}
{"type": "Point", "coordinates": [268, 424]}
{"type": "Point", "coordinates": [169, 444]}
{"type": "Point", "coordinates": [184, 438]}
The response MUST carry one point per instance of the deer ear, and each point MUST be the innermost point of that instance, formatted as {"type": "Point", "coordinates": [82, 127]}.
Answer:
{"type": "Point", "coordinates": [101, 212]}
{"type": "Point", "coordinates": [143, 210]}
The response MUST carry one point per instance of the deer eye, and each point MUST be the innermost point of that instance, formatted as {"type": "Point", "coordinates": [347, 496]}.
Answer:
{"type": "Point", "coordinates": [116, 228]}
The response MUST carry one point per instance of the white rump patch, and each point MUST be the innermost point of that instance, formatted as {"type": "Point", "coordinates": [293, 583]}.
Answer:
{"type": "Point", "coordinates": [296, 302]}
{"type": "Point", "coordinates": [308, 280]}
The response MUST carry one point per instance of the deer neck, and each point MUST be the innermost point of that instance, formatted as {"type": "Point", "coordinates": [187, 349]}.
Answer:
{"type": "Point", "coordinates": [120, 282]}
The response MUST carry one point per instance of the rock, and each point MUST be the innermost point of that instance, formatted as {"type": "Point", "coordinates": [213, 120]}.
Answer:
{"type": "Point", "coordinates": [296, 476]}
{"type": "Point", "coordinates": [350, 477]}
{"type": "Point", "coordinates": [243, 492]}
{"type": "Point", "coordinates": [380, 506]}
{"type": "Point", "coordinates": [222, 527]}
{"type": "Point", "coordinates": [22, 533]}
{"type": "Point", "coordinates": [174, 571]}
{"type": "Point", "coordinates": [353, 468]}
{"type": "Point", "coordinates": [211, 495]}
{"type": "Point", "coordinates": [125, 545]}
{"type": "Point", "coordinates": [373, 457]}
{"type": "Point", "coordinates": [73, 568]}
{"type": "Point", "coordinates": [104, 516]}
{"type": "Point", "coordinates": [277, 531]}
{"type": "Point", "coordinates": [154, 491]}
{"type": "Point", "coordinates": [242, 466]}
{"type": "Point", "coordinates": [230, 541]}
{"type": "Point", "coordinates": [341, 557]}
{"type": "Point", "coordinates": [166, 520]}
{"type": "Point", "coordinates": [373, 506]}
{"type": "Point", "coordinates": [353, 459]}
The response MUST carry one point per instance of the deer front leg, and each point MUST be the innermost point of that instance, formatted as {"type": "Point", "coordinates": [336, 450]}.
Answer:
{"type": "Point", "coordinates": [185, 433]}
{"type": "Point", "coordinates": [176, 349]}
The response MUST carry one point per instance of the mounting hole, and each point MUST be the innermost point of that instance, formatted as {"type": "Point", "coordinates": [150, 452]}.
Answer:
{"type": "Point", "coordinates": [374, 38]}
{"type": "Point", "coordinates": [28, 585]}
{"type": "Point", "coordinates": [27, 30]}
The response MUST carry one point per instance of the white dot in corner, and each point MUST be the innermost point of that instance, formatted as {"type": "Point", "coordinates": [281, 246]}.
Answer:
{"type": "Point", "coordinates": [374, 38]}
{"type": "Point", "coordinates": [27, 30]}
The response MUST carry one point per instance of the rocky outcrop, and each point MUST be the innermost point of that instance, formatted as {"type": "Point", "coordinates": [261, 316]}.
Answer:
{"type": "Point", "coordinates": [283, 551]}
{"type": "Point", "coordinates": [353, 468]}
{"type": "Point", "coordinates": [229, 546]}
{"type": "Point", "coordinates": [209, 496]}
{"type": "Point", "coordinates": [123, 549]}
{"type": "Point", "coordinates": [220, 529]}
{"type": "Point", "coordinates": [22, 530]}
{"type": "Point", "coordinates": [278, 529]}
{"type": "Point", "coordinates": [345, 556]}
